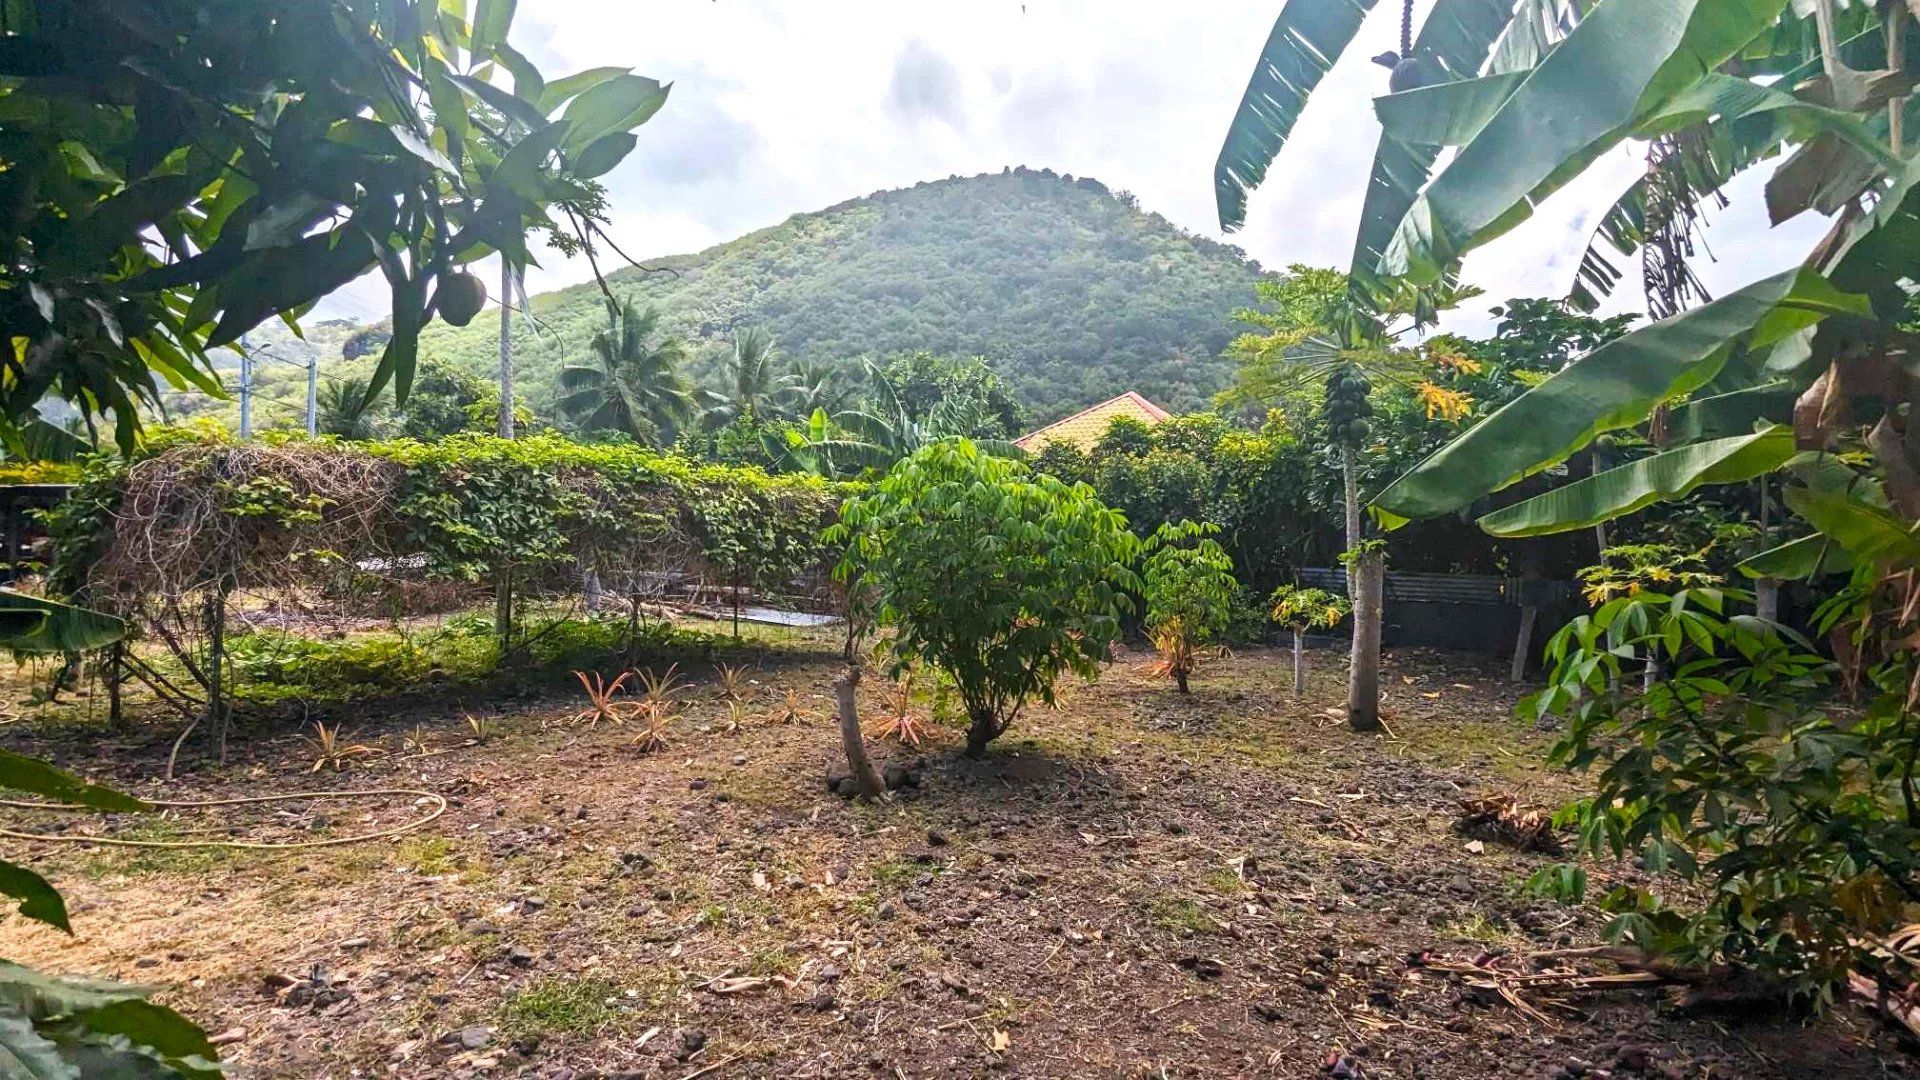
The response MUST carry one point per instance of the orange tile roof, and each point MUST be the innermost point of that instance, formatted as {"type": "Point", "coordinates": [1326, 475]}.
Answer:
{"type": "Point", "coordinates": [1086, 427]}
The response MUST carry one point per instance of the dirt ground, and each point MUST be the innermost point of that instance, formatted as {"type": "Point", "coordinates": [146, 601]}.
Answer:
{"type": "Point", "coordinates": [1134, 885]}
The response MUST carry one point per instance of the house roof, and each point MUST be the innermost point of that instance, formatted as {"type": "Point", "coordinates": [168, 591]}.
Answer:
{"type": "Point", "coordinates": [1086, 427]}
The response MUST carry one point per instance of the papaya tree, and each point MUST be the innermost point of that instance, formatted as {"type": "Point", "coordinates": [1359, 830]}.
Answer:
{"type": "Point", "coordinates": [1003, 579]}
{"type": "Point", "coordinates": [1189, 589]}
{"type": "Point", "coordinates": [1300, 609]}
{"type": "Point", "coordinates": [179, 173]}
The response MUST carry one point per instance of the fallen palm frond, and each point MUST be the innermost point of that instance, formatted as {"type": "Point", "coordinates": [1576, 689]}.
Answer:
{"type": "Point", "coordinates": [1500, 818]}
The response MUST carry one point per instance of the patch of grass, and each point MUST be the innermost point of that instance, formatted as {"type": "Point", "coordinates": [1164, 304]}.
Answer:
{"type": "Point", "coordinates": [1181, 916]}
{"type": "Point", "coordinates": [900, 872]}
{"type": "Point", "coordinates": [194, 860]}
{"type": "Point", "coordinates": [430, 855]}
{"type": "Point", "coordinates": [561, 1005]}
{"type": "Point", "coordinates": [774, 961]}
{"type": "Point", "coordinates": [1225, 882]}
{"type": "Point", "coordinates": [1474, 928]}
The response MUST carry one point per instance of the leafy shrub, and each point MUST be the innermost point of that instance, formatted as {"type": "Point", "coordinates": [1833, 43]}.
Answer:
{"type": "Point", "coordinates": [1001, 578]}
{"type": "Point", "coordinates": [1190, 592]}
{"type": "Point", "coordinates": [1733, 765]}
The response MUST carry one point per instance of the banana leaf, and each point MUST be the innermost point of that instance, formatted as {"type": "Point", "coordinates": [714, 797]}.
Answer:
{"type": "Point", "coordinates": [33, 624]}
{"type": "Point", "coordinates": [1624, 59]}
{"type": "Point", "coordinates": [1798, 560]}
{"type": "Point", "coordinates": [1307, 38]}
{"type": "Point", "coordinates": [1669, 474]}
{"type": "Point", "coordinates": [1613, 387]}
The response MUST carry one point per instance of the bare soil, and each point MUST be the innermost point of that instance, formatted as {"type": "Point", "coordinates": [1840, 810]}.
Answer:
{"type": "Point", "coordinates": [1137, 884]}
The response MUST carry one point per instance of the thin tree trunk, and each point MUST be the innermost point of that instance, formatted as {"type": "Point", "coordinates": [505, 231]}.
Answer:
{"type": "Point", "coordinates": [506, 348]}
{"type": "Point", "coordinates": [1299, 663]}
{"type": "Point", "coordinates": [114, 674]}
{"type": "Point", "coordinates": [590, 589]}
{"type": "Point", "coordinates": [864, 777]}
{"type": "Point", "coordinates": [1363, 675]}
{"type": "Point", "coordinates": [1180, 679]}
{"type": "Point", "coordinates": [1523, 645]}
{"type": "Point", "coordinates": [1365, 574]}
{"type": "Point", "coordinates": [217, 710]}
{"type": "Point", "coordinates": [503, 611]}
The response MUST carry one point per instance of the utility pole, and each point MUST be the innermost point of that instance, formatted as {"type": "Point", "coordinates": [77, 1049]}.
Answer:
{"type": "Point", "coordinates": [506, 347]}
{"type": "Point", "coordinates": [313, 395]}
{"type": "Point", "coordinates": [246, 389]}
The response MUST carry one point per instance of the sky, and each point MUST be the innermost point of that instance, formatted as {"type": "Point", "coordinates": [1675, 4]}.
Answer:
{"type": "Point", "coordinates": [780, 108]}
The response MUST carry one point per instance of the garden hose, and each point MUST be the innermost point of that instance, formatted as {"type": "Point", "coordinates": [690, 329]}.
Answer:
{"type": "Point", "coordinates": [439, 808]}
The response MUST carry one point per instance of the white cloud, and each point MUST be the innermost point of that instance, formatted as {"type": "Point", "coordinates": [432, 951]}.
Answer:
{"type": "Point", "coordinates": [779, 108]}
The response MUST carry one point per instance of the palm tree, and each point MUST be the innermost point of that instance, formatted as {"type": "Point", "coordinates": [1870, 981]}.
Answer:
{"type": "Point", "coordinates": [886, 430]}
{"type": "Point", "coordinates": [343, 408]}
{"type": "Point", "coordinates": [815, 384]}
{"type": "Point", "coordinates": [634, 386]}
{"type": "Point", "coordinates": [753, 385]}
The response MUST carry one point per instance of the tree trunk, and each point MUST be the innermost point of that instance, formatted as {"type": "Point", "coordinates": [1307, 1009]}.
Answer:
{"type": "Point", "coordinates": [1363, 675]}
{"type": "Point", "coordinates": [217, 710]}
{"type": "Point", "coordinates": [113, 675]}
{"type": "Point", "coordinates": [506, 348]}
{"type": "Point", "coordinates": [981, 731]}
{"type": "Point", "coordinates": [1523, 645]}
{"type": "Point", "coordinates": [503, 611]}
{"type": "Point", "coordinates": [1365, 577]}
{"type": "Point", "coordinates": [590, 589]}
{"type": "Point", "coordinates": [1766, 599]}
{"type": "Point", "coordinates": [1299, 664]}
{"type": "Point", "coordinates": [1180, 679]}
{"type": "Point", "coordinates": [850, 739]}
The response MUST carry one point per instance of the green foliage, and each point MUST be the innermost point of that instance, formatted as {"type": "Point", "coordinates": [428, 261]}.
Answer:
{"type": "Point", "coordinates": [921, 382]}
{"type": "Point", "coordinates": [1187, 581]}
{"type": "Point", "coordinates": [1002, 579]}
{"type": "Point", "coordinates": [58, 1028]}
{"type": "Point", "coordinates": [1734, 766]}
{"type": "Point", "coordinates": [443, 401]}
{"type": "Point", "coordinates": [1071, 292]}
{"type": "Point", "coordinates": [169, 189]}
{"type": "Point", "coordinates": [633, 387]}
{"type": "Point", "coordinates": [1301, 609]}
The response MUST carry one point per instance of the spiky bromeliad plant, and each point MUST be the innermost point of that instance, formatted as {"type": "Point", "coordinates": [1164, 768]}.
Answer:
{"type": "Point", "coordinates": [1189, 589]}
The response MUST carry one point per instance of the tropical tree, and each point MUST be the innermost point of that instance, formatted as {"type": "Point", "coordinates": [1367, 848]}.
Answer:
{"type": "Point", "coordinates": [1003, 579]}
{"type": "Point", "coordinates": [634, 385]}
{"type": "Point", "coordinates": [1313, 342]}
{"type": "Point", "coordinates": [752, 385]}
{"type": "Point", "coordinates": [345, 408]}
{"type": "Point", "coordinates": [888, 428]}
{"type": "Point", "coordinates": [818, 385]}
{"type": "Point", "coordinates": [1189, 589]}
{"type": "Point", "coordinates": [1803, 377]}
{"type": "Point", "coordinates": [170, 188]}
{"type": "Point", "coordinates": [1300, 610]}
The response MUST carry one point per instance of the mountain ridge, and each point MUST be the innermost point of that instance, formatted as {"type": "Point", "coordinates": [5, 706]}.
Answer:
{"type": "Point", "coordinates": [1068, 288]}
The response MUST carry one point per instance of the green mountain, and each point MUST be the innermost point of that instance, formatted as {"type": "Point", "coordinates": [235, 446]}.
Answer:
{"type": "Point", "coordinates": [1071, 290]}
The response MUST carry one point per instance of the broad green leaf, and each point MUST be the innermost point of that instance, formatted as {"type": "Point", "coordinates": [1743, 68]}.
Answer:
{"type": "Point", "coordinates": [1624, 59]}
{"type": "Point", "coordinates": [28, 1055]}
{"type": "Point", "coordinates": [1456, 37]}
{"type": "Point", "coordinates": [621, 103]}
{"type": "Point", "coordinates": [1869, 533]}
{"type": "Point", "coordinates": [525, 113]}
{"type": "Point", "coordinates": [1613, 387]}
{"type": "Point", "coordinates": [528, 86]}
{"type": "Point", "coordinates": [1307, 37]}
{"type": "Point", "coordinates": [156, 1028]}
{"type": "Point", "coordinates": [1732, 413]}
{"type": "Point", "coordinates": [1445, 114]}
{"type": "Point", "coordinates": [1798, 560]}
{"type": "Point", "coordinates": [34, 624]}
{"type": "Point", "coordinates": [560, 91]}
{"type": "Point", "coordinates": [523, 170]}
{"type": "Point", "coordinates": [413, 144]}
{"type": "Point", "coordinates": [491, 21]}
{"type": "Point", "coordinates": [602, 154]}
{"type": "Point", "coordinates": [1666, 475]}
{"type": "Point", "coordinates": [39, 900]}
{"type": "Point", "coordinates": [36, 777]}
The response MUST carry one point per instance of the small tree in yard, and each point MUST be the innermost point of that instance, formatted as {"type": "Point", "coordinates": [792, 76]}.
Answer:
{"type": "Point", "coordinates": [1300, 610]}
{"type": "Point", "coordinates": [1189, 592]}
{"type": "Point", "coordinates": [1001, 578]}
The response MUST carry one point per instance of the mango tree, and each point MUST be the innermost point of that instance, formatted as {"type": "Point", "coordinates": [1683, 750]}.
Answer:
{"type": "Point", "coordinates": [178, 174]}
{"type": "Point", "coordinates": [1189, 589]}
{"type": "Point", "coordinates": [1004, 579]}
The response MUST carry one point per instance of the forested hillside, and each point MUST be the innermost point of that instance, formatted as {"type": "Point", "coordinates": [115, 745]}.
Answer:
{"type": "Point", "coordinates": [1073, 292]}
